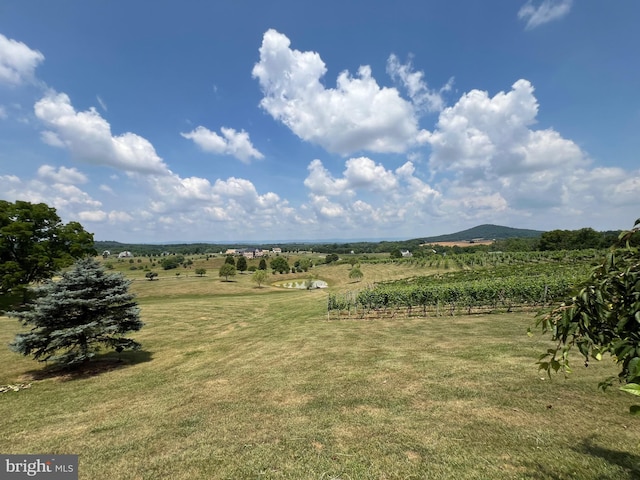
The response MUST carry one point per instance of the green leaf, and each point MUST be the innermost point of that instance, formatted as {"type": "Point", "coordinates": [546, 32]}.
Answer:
{"type": "Point", "coordinates": [634, 368]}
{"type": "Point", "coordinates": [543, 356]}
{"type": "Point", "coordinates": [632, 388]}
{"type": "Point", "coordinates": [606, 383]}
{"type": "Point", "coordinates": [634, 409]}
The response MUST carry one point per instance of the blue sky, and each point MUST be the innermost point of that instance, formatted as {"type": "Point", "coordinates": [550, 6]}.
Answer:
{"type": "Point", "coordinates": [294, 120]}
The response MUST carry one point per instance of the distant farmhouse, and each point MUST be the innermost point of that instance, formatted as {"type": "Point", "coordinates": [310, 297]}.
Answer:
{"type": "Point", "coordinates": [253, 252]}
{"type": "Point", "coordinates": [125, 254]}
{"type": "Point", "coordinates": [247, 252]}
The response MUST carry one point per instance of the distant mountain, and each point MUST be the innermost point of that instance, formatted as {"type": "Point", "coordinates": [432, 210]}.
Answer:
{"type": "Point", "coordinates": [487, 232]}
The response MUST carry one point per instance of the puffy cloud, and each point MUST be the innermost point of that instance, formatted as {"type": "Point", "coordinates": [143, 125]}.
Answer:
{"type": "Point", "coordinates": [421, 95]}
{"type": "Point", "coordinates": [547, 11]}
{"type": "Point", "coordinates": [107, 189]}
{"type": "Point", "coordinates": [120, 217]}
{"type": "Point", "coordinates": [474, 203]}
{"type": "Point", "coordinates": [231, 142]}
{"type": "Point", "coordinates": [604, 186]}
{"type": "Point", "coordinates": [62, 175]}
{"type": "Point", "coordinates": [172, 193]}
{"type": "Point", "coordinates": [51, 138]}
{"type": "Point", "coordinates": [92, 216]}
{"type": "Point", "coordinates": [389, 197]}
{"type": "Point", "coordinates": [325, 208]}
{"type": "Point", "coordinates": [88, 137]}
{"type": "Point", "coordinates": [360, 173]}
{"type": "Point", "coordinates": [18, 62]}
{"type": "Point", "coordinates": [244, 193]}
{"type": "Point", "coordinates": [196, 201]}
{"type": "Point", "coordinates": [356, 115]}
{"type": "Point", "coordinates": [483, 138]}
{"type": "Point", "coordinates": [70, 196]}
{"type": "Point", "coordinates": [490, 163]}
{"type": "Point", "coordinates": [64, 197]}
{"type": "Point", "coordinates": [321, 182]}
{"type": "Point", "coordinates": [627, 191]}
{"type": "Point", "coordinates": [100, 216]}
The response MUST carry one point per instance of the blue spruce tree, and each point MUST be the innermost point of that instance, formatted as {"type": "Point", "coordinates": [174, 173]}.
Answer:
{"type": "Point", "coordinates": [72, 318]}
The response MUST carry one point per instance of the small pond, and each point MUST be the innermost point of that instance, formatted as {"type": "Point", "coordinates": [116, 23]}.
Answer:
{"type": "Point", "coordinates": [302, 284]}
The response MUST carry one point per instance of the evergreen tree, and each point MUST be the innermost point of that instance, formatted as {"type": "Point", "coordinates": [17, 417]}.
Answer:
{"type": "Point", "coordinates": [73, 317]}
{"type": "Point", "coordinates": [263, 264]}
{"type": "Point", "coordinates": [241, 264]}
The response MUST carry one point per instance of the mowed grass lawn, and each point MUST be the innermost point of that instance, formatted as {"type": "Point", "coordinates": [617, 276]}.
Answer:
{"type": "Point", "coordinates": [239, 382]}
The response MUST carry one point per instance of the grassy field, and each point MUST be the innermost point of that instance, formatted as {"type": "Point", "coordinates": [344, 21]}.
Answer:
{"type": "Point", "coordinates": [237, 382]}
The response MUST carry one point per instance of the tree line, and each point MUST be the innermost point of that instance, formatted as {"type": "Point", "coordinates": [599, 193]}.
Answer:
{"type": "Point", "coordinates": [551, 240]}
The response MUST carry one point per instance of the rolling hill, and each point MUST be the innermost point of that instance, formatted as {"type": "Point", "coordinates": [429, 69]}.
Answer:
{"type": "Point", "coordinates": [487, 232]}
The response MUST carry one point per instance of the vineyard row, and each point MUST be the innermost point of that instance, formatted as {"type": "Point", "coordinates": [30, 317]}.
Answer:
{"type": "Point", "coordinates": [488, 294]}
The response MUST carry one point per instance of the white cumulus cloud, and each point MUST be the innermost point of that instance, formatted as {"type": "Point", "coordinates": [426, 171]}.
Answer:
{"type": "Point", "coordinates": [360, 173]}
{"type": "Point", "coordinates": [491, 163]}
{"type": "Point", "coordinates": [483, 137]}
{"type": "Point", "coordinates": [321, 182]}
{"type": "Point", "coordinates": [92, 216]}
{"type": "Point", "coordinates": [68, 199]}
{"type": "Point", "coordinates": [63, 175]}
{"type": "Point", "coordinates": [356, 115]}
{"type": "Point", "coordinates": [546, 11]}
{"type": "Point", "coordinates": [231, 142]}
{"type": "Point", "coordinates": [18, 62]}
{"type": "Point", "coordinates": [368, 196]}
{"type": "Point", "coordinates": [89, 139]}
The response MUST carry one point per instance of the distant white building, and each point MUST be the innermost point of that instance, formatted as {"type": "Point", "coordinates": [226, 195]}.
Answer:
{"type": "Point", "coordinates": [406, 253]}
{"type": "Point", "coordinates": [125, 254]}
{"type": "Point", "coordinates": [276, 250]}
{"type": "Point", "coordinates": [252, 253]}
